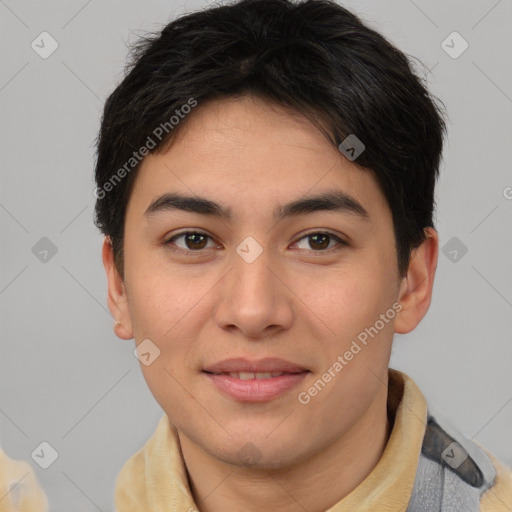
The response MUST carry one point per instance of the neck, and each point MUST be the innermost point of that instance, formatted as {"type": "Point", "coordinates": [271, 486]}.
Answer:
{"type": "Point", "coordinates": [314, 484]}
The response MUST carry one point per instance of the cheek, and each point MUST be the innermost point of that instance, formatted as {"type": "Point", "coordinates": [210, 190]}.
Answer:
{"type": "Point", "coordinates": [159, 299]}
{"type": "Point", "coordinates": [349, 296]}
{"type": "Point", "coordinates": [161, 310]}
{"type": "Point", "coordinates": [354, 302]}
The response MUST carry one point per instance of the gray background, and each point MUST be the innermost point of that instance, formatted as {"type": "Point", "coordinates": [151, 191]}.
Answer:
{"type": "Point", "coordinates": [65, 377]}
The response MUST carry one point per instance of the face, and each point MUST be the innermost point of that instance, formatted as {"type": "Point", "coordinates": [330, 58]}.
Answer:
{"type": "Point", "coordinates": [278, 293]}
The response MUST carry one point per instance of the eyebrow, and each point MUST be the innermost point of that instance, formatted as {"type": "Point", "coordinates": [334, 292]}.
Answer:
{"type": "Point", "coordinates": [335, 200]}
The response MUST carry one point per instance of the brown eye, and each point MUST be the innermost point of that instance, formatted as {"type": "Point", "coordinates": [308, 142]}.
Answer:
{"type": "Point", "coordinates": [320, 241]}
{"type": "Point", "coordinates": [195, 240]}
{"type": "Point", "coordinates": [190, 241]}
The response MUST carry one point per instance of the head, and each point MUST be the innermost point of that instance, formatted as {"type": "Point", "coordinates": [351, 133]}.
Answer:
{"type": "Point", "coordinates": [230, 123]}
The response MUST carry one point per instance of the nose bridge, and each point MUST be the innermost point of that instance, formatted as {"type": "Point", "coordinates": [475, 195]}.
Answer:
{"type": "Point", "coordinates": [252, 273]}
{"type": "Point", "coordinates": [253, 298]}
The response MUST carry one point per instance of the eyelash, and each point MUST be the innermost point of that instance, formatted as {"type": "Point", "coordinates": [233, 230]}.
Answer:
{"type": "Point", "coordinates": [177, 250]}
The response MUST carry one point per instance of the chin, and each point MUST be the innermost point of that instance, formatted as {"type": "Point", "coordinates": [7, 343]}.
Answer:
{"type": "Point", "coordinates": [263, 453]}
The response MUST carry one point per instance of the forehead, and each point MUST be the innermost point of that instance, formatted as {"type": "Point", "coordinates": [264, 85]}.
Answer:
{"type": "Point", "coordinates": [249, 153]}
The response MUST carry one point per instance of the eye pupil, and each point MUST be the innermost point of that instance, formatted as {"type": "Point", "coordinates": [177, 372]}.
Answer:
{"type": "Point", "coordinates": [315, 238]}
{"type": "Point", "coordinates": [190, 237]}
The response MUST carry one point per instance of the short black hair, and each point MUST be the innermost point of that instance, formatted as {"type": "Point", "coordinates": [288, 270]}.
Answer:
{"type": "Point", "coordinates": [313, 56]}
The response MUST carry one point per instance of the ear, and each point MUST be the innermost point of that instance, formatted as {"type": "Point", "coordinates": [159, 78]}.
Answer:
{"type": "Point", "coordinates": [416, 286]}
{"type": "Point", "coordinates": [117, 300]}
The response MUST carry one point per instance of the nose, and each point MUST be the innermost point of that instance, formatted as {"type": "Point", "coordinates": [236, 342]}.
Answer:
{"type": "Point", "coordinates": [255, 297]}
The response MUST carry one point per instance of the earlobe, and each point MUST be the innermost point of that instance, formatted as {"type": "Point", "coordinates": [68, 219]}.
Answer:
{"type": "Point", "coordinates": [121, 332]}
{"type": "Point", "coordinates": [416, 287]}
{"type": "Point", "coordinates": [116, 295]}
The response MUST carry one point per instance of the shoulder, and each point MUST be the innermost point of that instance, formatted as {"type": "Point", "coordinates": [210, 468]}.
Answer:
{"type": "Point", "coordinates": [155, 477]}
{"type": "Point", "coordinates": [456, 473]}
{"type": "Point", "coordinates": [499, 496]}
{"type": "Point", "coordinates": [19, 488]}
{"type": "Point", "coordinates": [131, 489]}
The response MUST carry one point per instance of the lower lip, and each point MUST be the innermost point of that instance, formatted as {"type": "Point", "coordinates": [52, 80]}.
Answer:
{"type": "Point", "coordinates": [256, 390]}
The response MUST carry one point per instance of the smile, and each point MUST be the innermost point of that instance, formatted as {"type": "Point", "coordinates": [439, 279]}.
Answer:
{"type": "Point", "coordinates": [255, 386]}
{"type": "Point", "coordinates": [252, 375]}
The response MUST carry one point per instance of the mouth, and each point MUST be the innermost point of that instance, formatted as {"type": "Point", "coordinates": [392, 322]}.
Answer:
{"type": "Point", "coordinates": [255, 381]}
{"type": "Point", "coordinates": [253, 375]}
{"type": "Point", "coordinates": [242, 365]}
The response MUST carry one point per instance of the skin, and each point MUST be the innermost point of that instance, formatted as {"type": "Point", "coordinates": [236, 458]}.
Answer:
{"type": "Point", "coordinates": [295, 301]}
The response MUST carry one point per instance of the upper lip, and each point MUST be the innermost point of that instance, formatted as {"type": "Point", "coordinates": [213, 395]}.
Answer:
{"type": "Point", "coordinates": [241, 364]}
